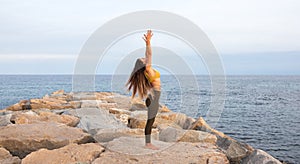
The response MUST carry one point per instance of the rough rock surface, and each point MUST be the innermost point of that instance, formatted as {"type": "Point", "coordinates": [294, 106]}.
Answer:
{"type": "Point", "coordinates": [93, 119]}
{"type": "Point", "coordinates": [234, 150]}
{"type": "Point", "coordinates": [73, 153]}
{"type": "Point", "coordinates": [23, 139]}
{"type": "Point", "coordinates": [171, 134]}
{"type": "Point", "coordinates": [105, 135]}
{"type": "Point", "coordinates": [7, 158]}
{"type": "Point", "coordinates": [260, 157]}
{"type": "Point", "coordinates": [138, 119]}
{"type": "Point", "coordinates": [131, 150]}
{"type": "Point", "coordinates": [39, 127]}
{"type": "Point", "coordinates": [5, 120]}
{"type": "Point", "coordinates": [43, 116]}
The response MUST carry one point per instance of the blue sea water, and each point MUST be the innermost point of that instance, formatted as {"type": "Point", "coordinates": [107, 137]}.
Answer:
{"type": "Point", "coordinates": [263, 111]}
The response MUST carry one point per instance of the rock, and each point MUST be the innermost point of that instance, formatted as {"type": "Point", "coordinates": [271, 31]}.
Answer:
{"type": "Point", "coordinates": [234, 150]}
{"type": "Point", "coordinates": [90, 103]}
{"type": "Point", "coordinates": [121, 114]}
{"type": "Point", "coordinates": [5, 120]}
{"type": "Point", "coordinates": [119, 111]}
{"type": "Point", "coordinates": [103, 95]}
{"type": "Point", "coordinates": [131, 150]}
{"type": "Point", "coordinates": [124, 102]}
{"type": "Point", "coordinates": [107, 106]}
{"type": "Point", "coordinates": [84, 96]}
{"type": "Point", "coordinates": [138, 119]}
{"type": "Point", "coordinates": [201, 125]}
{"type": "Point", "coordinates": [164, 109]}
{"type": "Point", "coordinates": [15, 107]}
{"type": "Point", "coordinates": [40, 106]}
{"type": "Point", "coordinates": [23, 139]}
{"type": "Point", "coordinates": [31, 117]}
{"type": "Point", "coordinates": [105, 135]}
{"type": "Point", "coordinates": [93, 119]}
{"type": "Point", "coordinates": [75, 104]}
{"type": "Point", "coordinates": [73, 153]}
{"type": "Point", "coordinates": [58, 101]}
{"type": "Point", "coordinates": [260, 157]}
{"type": "Point", "coordinates": [58, 92]}
{"type": "Point", "coordinates": [7, 158]}
{"type": "Point", "coordinates": [171, 134]}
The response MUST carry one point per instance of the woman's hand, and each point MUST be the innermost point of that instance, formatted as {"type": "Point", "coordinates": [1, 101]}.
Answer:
{"type": "Point", "coordinates": [147, 37]}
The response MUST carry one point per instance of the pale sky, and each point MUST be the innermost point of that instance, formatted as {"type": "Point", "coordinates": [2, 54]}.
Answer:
{"type": "Point", "coordinates": [251, 36]}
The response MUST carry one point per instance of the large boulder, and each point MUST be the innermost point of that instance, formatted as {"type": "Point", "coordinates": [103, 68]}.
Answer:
{"type": "Point", "coordinates": [93, 119]}
{"type": "Point", "coordinates": [131, 150]}
{"type": "Point", "coordinates": [7, 158]}
{"type": "Point", "coordinates": [44, 116]}
{"type": "Point", "coordinates": [260, 157]}
{"type": "Point", "coordinates": [73, 153]}
{"type": "Point", "coordinates": [234, 150]}
{"type": "Point", "coordinates": [23, 139]}
{"type": "Point", "coordinates": [138, 119]}
{"type": "Point", "coordinates": [171, 134]}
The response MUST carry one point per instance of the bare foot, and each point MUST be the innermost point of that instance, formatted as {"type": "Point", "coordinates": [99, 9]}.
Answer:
{"type": "Point", "coordinates": [151, 146]}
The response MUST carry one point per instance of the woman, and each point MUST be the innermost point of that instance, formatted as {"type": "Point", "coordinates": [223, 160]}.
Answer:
{"type": "Point", "coordinates": [144, 79]}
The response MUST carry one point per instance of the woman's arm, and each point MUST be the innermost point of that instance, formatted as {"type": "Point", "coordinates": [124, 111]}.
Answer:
{"type": "Point", "coordinates": [148, 53]}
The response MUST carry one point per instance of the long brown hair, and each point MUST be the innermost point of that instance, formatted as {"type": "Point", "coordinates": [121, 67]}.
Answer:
{"type": "Point", "coordinates": [138, 81]}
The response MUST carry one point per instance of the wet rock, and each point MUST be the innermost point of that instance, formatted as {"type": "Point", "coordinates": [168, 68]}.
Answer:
{"type": "Point", "coordinates": [131, 150]}
{"type": "Point", "coordinates": [23, 139]}
{"type": "Point", "coordinates": [171, 134]}
{"type": "Point", "coordinates": [73, 153]}
{"type": "Point", "coordinates": [261, 157]}
{"type": "Point", "coordinates": [7, 158]}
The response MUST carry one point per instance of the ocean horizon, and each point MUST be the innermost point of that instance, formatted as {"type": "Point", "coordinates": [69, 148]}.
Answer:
{"type": "Point", "coordinates": [261, 110]}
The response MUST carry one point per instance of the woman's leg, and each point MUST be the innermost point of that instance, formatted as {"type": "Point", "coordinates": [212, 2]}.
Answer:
{"type": "Point", "coordinates": [153, 105]}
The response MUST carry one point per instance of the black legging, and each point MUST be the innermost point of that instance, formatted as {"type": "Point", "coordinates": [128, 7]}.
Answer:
{"type": "Point", "coordinates": [153, 104]}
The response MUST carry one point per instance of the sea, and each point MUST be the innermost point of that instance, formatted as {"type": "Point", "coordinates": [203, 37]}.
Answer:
{"type": "Point", "coordinates": [263, 111]}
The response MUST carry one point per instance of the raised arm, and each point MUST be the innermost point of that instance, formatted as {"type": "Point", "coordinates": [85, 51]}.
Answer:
{"type": "Point", "coordinates": [148, 54]}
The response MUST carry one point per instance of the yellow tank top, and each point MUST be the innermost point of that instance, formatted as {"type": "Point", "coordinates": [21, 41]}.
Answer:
{"type": "Point", "coordinates": [152, 78]}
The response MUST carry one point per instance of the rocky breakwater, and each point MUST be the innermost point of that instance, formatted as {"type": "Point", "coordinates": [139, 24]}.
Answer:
{"type": "Point", "coordinates": [103, 127]}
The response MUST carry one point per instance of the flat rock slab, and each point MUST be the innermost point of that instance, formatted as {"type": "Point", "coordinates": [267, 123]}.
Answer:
{"type": "Point", "coordinates": [93, 119]}
{"type": "Point", "coordinates": [131, 150]}
{"type": "Point", "coordinates": [73, 153]}
{"type": "Point", "coordinates": [23, 139]}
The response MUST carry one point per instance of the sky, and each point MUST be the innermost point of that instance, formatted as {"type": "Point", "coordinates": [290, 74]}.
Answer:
{"type": "Point", "coordinates": [252, 37]}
